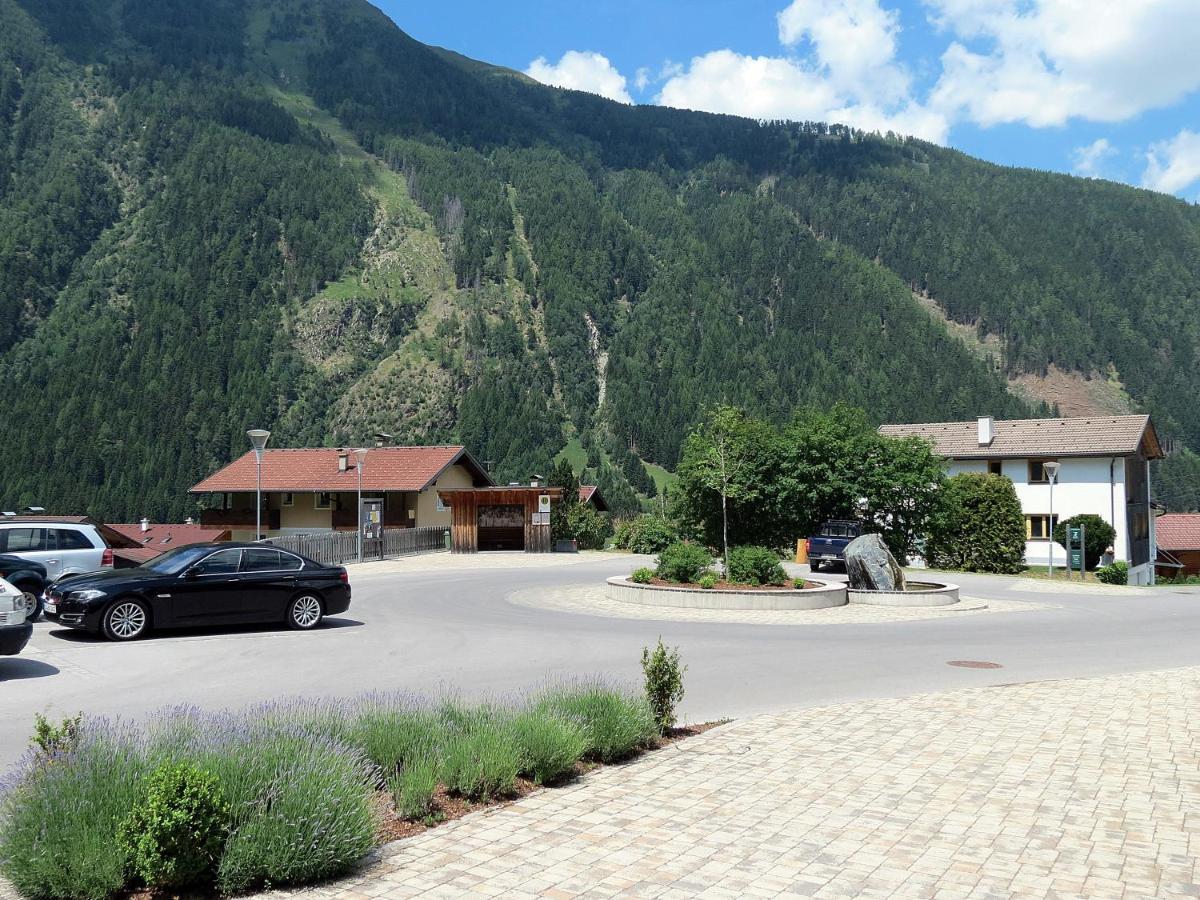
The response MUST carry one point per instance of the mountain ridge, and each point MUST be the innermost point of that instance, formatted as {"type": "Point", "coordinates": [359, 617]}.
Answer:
{"type": "Point", "coordinates": [290, 213]}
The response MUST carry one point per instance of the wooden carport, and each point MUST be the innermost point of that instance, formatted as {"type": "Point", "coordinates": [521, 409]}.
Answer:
{"type": "Point", "coordinates": [531, 503]}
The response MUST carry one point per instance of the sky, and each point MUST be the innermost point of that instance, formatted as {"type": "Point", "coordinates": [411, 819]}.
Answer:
{"type": "Point", "coordinates": [1098, 88]}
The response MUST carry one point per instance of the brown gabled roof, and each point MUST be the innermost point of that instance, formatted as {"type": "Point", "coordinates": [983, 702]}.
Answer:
{"type": "Point", "coordinates": [589, 493]}
{"type": "Point", "coordinates": [1178, 531]}
{"type": "Point", "coordinates": [317, 470]}
{"type": "Point", "coordinates": [163, 537]}
{"type": "Point", "coordinates": [1082, 436]}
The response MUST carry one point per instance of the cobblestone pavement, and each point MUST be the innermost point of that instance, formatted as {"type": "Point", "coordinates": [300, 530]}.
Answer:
{"type": "Point", "coordinates": [591, 599]}
{"type": "Point", "coordinates": [1082, 788]}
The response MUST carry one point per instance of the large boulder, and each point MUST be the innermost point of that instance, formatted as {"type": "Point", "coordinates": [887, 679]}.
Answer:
{"type": "Point", "coordinates": [871, 566]}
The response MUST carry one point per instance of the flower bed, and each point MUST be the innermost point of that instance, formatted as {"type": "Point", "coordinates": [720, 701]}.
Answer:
{"type": "Point", "coordinates": [304, 789]}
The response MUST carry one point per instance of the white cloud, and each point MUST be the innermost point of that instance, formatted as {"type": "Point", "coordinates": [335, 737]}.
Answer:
{"type": "Point", "coordinates": [641, 78]}
{"type": "Point", "coordinates": [1173, 164]}
{"type": "Point", "coordinates": [1044, 62]}
{"type": "Point", "coordinates": [582, 71]}
{"type": "Point", "coordinates": [851, 75]}
{"type": "Point", "coordinates": [1089, 159]}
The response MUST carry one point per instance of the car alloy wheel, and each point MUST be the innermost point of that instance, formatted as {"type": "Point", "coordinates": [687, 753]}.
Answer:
{"type": "Point", "coordinates": [125, 620]}
{"type": "Point", "coordinates": [31, 605]}
{"type": "Point", "coordinates": [305, 612]}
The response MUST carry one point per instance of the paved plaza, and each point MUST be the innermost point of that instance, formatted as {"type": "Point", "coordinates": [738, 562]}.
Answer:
{"type": "Point", "coordinates": [1079, 788]}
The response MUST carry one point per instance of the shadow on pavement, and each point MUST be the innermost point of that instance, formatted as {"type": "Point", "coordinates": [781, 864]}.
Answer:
{"type": "Point", "coordinates": [16, 669]}
{"type": "Point", "coordinates": [77, 636]}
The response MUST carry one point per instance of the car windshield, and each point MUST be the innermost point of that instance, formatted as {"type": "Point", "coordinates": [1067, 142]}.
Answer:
{"type": "Point", "coordinates": [175, 561]}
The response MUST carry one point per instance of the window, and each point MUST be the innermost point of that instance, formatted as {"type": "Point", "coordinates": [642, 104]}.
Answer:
{"type": "Point", "coordinates": [441, 507]}
{"type": "Point", "coordinates": [72, 540]}
{"type": "Point", "coordinates": [323, 501]}
{"type": "Point", "coordinates": [1039, 527]}
{"type": "Point", "coordinates": [287, 500]}
{"type": "Point", "coordinates": [23, 540]}
{"type": "Point", "coordinates": [1037, 471]}
{"type": "Point", "coordinates": [260, 560]}
{"type": "Point", "coordinates": [996, 467]}
{"type": "Point", "coordinates": [223, 563]}
{"type": "Point", "coordinates": [289, 563]}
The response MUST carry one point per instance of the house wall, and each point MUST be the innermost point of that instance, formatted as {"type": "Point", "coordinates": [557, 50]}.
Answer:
{"type": "Point", "coordinates": [427, 512]}
{"type": "Point", "coordinates": [302, 516]}
{"type": "Point", "coordinates": [1083, 486]}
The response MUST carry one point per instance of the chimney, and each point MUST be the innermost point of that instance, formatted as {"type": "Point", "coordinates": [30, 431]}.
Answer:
{"type": "Point", "coordinates": [343, 460]}
{"type": "Point", "coordinates": [145, 524]}
{"type": "Point", "coordinates": [987, 430]}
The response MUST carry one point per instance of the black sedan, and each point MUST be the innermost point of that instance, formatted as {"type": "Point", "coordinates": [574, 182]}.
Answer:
{"type": "Point", "coordinates": [198, 586]}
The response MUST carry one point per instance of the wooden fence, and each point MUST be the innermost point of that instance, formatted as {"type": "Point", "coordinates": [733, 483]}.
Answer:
{"type": "Point", "coordinates": [335, 548]}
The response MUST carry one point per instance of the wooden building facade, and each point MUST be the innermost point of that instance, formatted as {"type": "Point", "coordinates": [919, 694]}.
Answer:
{"type": "Point", "coordinates": [500, 518]}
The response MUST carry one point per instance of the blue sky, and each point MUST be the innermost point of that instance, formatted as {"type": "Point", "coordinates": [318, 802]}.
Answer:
{"type": "Point", "coordinates": [1102, 88]}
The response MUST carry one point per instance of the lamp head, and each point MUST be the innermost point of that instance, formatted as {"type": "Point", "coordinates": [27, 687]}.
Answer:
{"type": "Point", "coordinates": [258, 438]}
{"type": "Point", "coordinates": [1051, 470]}
{"type": "Point", "coordinates": [361, 455]}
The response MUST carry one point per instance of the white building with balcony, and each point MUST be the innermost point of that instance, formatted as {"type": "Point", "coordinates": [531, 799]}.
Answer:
{"type": "Point", "coordinates": [1103, 469]}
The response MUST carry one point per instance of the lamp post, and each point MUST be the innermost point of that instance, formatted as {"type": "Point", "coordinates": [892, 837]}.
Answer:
{"type": "Point", "coordinates": [360, 457]}
{"type": "Point", "coordinates": [1051, 475]}
{"type": "Point", "coordinates": [258, 439]}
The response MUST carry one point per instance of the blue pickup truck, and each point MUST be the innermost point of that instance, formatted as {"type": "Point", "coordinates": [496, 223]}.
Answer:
{"type": "Point", "coordinates": [826, 546]}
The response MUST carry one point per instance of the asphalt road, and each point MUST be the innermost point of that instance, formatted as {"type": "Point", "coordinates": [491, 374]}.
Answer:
{"type": "Point", "coordinates": [453, 630]}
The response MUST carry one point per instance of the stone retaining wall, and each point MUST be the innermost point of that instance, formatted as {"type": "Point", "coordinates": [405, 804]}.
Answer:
{"type": "Point", "coordinates": [927, 594]}
{"type": "Point", "coordinates": [829, 594]}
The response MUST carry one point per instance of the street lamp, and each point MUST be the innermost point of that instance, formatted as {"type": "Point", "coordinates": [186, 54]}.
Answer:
{"type": "Point", "coordinates": [360, 457]}
{"type": "Point", "coordinates": [258, 439]}
{"type": "Point", "coordinates": [1052, 476]}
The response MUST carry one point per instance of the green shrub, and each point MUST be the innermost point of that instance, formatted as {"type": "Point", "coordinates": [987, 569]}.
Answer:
{"type": "Point", "coordinates": [50, 739]}
{"type": "Point", "coordinates": [481, 758]}
{"type": "Point", "coordinates": [798, 583]}
{"type": "Point", "coordinates": [615, 724]}
{"type": "Point", "coordinates": [708, 581]}
{"type": "Point", "coordinates": [642, 575]}
{"type": "Point", "coordinates": [1098, 536]}
{"type": "Point", "coordinates": [646, 535]}
{"type": "Point", "coordinates": [683, 562]}
{"type": "Point", "coordinates": [664, 683]}
{"type": "Point", "coordinates": [58, 820]}
{"type": "Point", "coordinates": [302, 808]}
{"type": "Point", "coordinates": [550, 744]}
{"type": "Point", "coordinates": [413, 787]}
{"type": "Point", "coordinates": [755, 565]}
{"type": "Point", "coordinates": [392, 733]}
{"type": "Point", "coordinates": [589, 527]}
{"type": "Point", "coordinates": [174, 834]}
{"type": "Point", "coordinates": [1116, 573]}
{"type": "Point", "coordinates": [977, 526]}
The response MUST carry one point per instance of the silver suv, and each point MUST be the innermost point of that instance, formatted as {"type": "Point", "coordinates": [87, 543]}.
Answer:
{"type": "Point", "coordinates": [64, 548]}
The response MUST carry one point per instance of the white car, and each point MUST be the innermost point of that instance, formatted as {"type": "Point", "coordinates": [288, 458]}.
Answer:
{"type": "Point", "coordinates": [15, 631]}
{"type": "Point", "coordinates": [64, 548]}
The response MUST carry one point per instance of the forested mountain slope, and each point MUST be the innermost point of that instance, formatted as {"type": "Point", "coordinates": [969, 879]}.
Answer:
{"type": "Point", "coordinates": [288, 213]}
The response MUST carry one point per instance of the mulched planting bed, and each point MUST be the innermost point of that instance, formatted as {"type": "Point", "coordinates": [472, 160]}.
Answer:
{"type": "Point", "coordinates": [726, 586]}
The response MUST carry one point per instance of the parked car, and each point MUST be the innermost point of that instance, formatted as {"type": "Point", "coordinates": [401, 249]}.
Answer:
{"type": "Point", "coordinates": [829, 543]}
{"type": "Point", "coordinates": [28, 577]}
{"type": "Point", "coordinates": [15, 630]}
{"type": "Point", "coordinates": [63, 548]}
{"type": "Point", "coordinates": [201, 585]}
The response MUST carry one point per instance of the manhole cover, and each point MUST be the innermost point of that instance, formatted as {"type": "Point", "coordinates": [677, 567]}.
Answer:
{"type": "Point", "coordinates": [974, 664]}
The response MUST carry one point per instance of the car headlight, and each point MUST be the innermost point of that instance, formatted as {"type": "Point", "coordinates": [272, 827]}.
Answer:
{"type": "Point", "coordinates": [85, 595]}
{"type": "Point", "coordinates": [10, 603]}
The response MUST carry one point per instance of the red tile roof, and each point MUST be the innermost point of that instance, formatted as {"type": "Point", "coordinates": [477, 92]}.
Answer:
{"type": "Point", "coordinates": [1178, 531]}
{"type": "Point", "coordinates": [589, 493]}
{"type": "Point", "coordinates": [163, 537]}
{"type": "Point", "coordinates": [385, 469]}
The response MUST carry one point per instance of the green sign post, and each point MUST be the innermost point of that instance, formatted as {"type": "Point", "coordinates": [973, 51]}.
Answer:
{"type": "Point", "coordinates": [1076, 534]}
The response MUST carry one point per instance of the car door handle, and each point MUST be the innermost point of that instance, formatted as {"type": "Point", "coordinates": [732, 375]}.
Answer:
{"type": "Point", "coordinates": [52, 562]}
